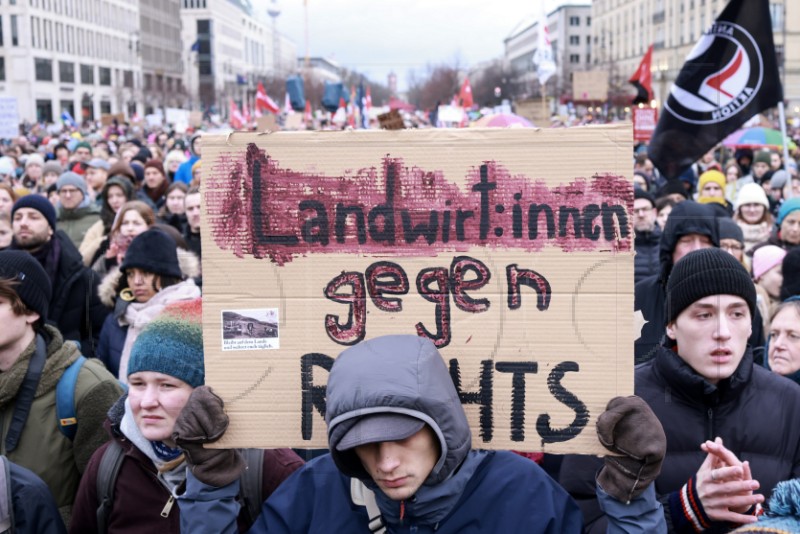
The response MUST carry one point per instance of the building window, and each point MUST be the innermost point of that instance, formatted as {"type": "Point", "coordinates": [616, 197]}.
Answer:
{"type": "Point", "coordinates": [14, 31]}
{"type": "Point", "coordinates": [105, 107]}
{"type": "Point", "coordinates": [2, 69]}
{"type": "Point", "coordinates": [148, 82]}
{"type": "Point", "coordinates": [66, 72]}
{"type": "Point", "coordinates": [127, 78]}
{"type": "Point", "coordinates": [574, 39]}
{"type": "Point", "coordinates": [87, 74]}
{"type": "Point", "coordinates": [69, 107]}
{"type": "Point", "coordinates": [44, 111]}
{"type": "Point", "coordinates": [1, 31]}
{"type": "Point", "coordinates": [44, 69]}
{"type": "Point", "coordinates": [588, 21]}
{"type": "Point", "coordinates": [104, 76]}
{"type": "Point", "coordinates": [574, 21]}
{"type": "Point", "coordinates": [574, 58]}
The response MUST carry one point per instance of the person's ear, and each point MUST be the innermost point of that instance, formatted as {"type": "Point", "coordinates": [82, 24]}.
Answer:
{"type": "Point", "coordinates": [32, 317]}
{"type": "Point", "coordinates": [671, 331]}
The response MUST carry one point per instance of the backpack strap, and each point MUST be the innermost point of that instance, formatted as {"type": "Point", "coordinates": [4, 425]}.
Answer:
{"type": "Point", "coordinates": [65, 398]}
{"type": "Point", "coordinates": [363, 496]}
{"type": "Point", "coordinates": [6, 498]}
{"type": "Point", "coordinates": [107, 473]}
{"type": "Point", "coordinates": [26, 393]}
{"type": "Point", "coordinates": [251, 487]}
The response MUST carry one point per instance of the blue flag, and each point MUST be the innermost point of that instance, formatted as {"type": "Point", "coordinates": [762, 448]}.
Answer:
{"type": "Point", "coordinates": [196, 46]}
{"type": "Point", "coordinates": [68, 120]}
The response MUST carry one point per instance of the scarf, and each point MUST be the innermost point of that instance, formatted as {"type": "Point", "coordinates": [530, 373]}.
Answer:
{"type": "Point", "coordinates": [171, 473]}
{"type": "Point", "coordinates": [139, 314]}
{"type": "Point", "coordinates": [48, 256]}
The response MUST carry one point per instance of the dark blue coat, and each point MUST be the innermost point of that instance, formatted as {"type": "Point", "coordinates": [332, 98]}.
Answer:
{"type": "Point", "coordinates": [112, 340]}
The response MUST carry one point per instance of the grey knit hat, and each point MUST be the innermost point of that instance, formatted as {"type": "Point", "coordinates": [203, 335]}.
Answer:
{"type": "Point", "coordinates": [706, 272]}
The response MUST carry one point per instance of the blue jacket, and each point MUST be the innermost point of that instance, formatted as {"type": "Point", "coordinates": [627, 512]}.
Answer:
{"type": "Point", "coordinates": [184, 172]}
{"type": "Point", "coordinates": [316, 499]}
{"type": "Point", "coordinates": [34, 508]}
{"type": "Point", "coordinates": [112, 341]}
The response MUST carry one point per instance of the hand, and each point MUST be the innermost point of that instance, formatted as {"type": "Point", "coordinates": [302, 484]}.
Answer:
{"type": "Point", "coordinates": [112, 251]}
{"type": "Point", "coordinates": [725, 485]}
{"type": "Point", "coordinates": [630, 428]}
{"type": "Point", "coordinates": [203, 420]}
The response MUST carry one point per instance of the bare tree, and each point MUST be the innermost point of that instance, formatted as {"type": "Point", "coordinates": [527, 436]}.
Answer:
{"type": "Point", "coordinates": [439, 85]}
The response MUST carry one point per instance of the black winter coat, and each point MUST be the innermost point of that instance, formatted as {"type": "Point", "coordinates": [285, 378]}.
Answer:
{"type": "Point", "coordinates": [646, 262]}
{"type": "Point", "coordinates": [75, 307]}
{"type": "Point", "coordinates": [755, 412]}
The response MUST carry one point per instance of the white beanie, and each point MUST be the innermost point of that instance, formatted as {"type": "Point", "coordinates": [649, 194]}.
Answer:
{"type": "Point", "coordinates": [751, 193]}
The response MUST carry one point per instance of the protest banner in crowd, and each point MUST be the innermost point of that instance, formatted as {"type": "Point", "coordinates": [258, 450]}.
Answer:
{"type": "Point", "coordinates": [511, 249]}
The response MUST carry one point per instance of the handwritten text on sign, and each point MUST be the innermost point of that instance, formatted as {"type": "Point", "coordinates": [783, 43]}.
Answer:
{"type": "Point", "coordinates": [397, 243]}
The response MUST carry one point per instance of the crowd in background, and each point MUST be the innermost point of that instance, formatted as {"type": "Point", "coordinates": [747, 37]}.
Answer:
{"type": "Point", "coordinates": [112, 218]}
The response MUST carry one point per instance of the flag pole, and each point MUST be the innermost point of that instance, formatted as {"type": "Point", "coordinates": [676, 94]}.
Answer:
{"type": "Point", "coordinates": [782, 117]}
{"type": "Point", "coordinates": [545, 116]}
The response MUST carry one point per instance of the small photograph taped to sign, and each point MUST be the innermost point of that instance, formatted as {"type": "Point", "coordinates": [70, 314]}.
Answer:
{"type": "Point", "coordinates": [252, 329]}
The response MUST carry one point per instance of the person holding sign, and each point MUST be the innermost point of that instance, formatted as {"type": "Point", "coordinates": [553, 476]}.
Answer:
{"type": "Point", "coordinates": [402, 460]}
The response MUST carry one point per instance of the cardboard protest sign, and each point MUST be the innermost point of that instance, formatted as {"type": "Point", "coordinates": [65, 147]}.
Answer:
{"type": "Point", "coordinates": [391, 120]}
{"type": "Point", "coordinates": [511, 249]}
{"type": "Point", "coordinates": [590, 85]}
{"type": "Point", "coordinates": [107, 119]}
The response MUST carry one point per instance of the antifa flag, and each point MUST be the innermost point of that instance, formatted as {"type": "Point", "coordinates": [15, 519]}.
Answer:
{"type": "Point", "coordinates": [642, 79]}
{"type": "Point", "coordinates": [729, 76]}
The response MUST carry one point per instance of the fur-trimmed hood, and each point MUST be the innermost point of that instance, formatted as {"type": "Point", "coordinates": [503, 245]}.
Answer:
{"type": "Point", "coordinates": [109, 287]}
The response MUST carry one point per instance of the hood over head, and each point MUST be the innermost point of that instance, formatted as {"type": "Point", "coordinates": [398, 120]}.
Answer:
{"type": "Point", "coordinates": [400, 375]}
{"type": "Point", "coordinates": [687, 217]}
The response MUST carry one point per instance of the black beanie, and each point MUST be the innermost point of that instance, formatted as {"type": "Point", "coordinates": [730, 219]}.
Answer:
{"type": "Point", "coordinates": [706, 272]}
{"type": "Point", "coordinates": [728, 229]}
{"type": "Point", "coordinates": [155, 252]}
{"type": "Point", "coordinates": [33, 284]}
{"type": "Point", "coordinates": [791, 274]}
{"type": "Point", "coordinates": [38, 203]}
{"type": "Point", "coordinates": [638, 192]}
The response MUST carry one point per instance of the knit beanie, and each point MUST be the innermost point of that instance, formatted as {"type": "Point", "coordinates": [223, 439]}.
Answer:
{"type": "Point", "coordinates": [52, 166]}
{"type": "Point", "coordinates": [728, 229]}
{"type": "Point", "coordinates": [155, 252]}
{"type": "Point", "coordinates": [82, 144]}
{"type": "Point", "coordinates": [711, 176]}
{"type": "Point", "coordinates": [638, 192]}
{"type": "Point", "coordinates": [75, 180]}
{"type": "Point", "coordinates": [791, 274]}
{"type": "Point", "coordinates": [34, 159]}
{"type": "Point", "coordinates": [751, 193]}
{"type": "Point", "coordinates": [33, 285]}
{"type": "Point", "coordinates": [762, 156]}
{"type": "Point", "coordinates": [765, 258]}
{"type": "Point", "coordinates": [156, 164]}
{"type": "Point", "coordinates": [138, 170]}
{"type": "Point", "coordinates": [121, 168]}
{"type": "Point", "coordinates": [788, 206]}
{"type": "Point", "coordinates": [40, 204]}
{"type": "Point", "coordinates": [706, 272]}
{"type": "Point", "coordinates": [779, 179]}
{"type": "Point", "coordinates": [784, 511]}
{"type": "Point", "coordinates": [172, 344]}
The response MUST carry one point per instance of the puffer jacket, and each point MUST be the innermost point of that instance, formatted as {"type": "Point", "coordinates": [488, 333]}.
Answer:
{"type": "Point", "coordinates": [42, 447]}
{"type": "Point", "coordinates": [646, 263]}
{"type": "Point", "coordinates": [140, 497]}
{"type": "Point", "coordinates": [755, 412]}
{"type": "Point", "coordinates": [76, 222]}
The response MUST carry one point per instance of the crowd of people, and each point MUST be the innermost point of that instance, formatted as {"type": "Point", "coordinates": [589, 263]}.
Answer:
{"type": "Point", "coordinates": [104, 413]}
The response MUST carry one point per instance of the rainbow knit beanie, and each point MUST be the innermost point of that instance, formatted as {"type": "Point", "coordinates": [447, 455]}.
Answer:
{"type": "Point", "coordinates": [172, 344]}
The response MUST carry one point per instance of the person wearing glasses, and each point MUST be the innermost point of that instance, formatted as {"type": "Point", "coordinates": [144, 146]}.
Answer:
{"type": "Point", "coordinates": [76, 212]}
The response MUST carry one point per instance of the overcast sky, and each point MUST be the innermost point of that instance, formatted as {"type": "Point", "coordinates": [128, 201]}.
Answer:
{"type": "Point", "coordinates": [379, 36]}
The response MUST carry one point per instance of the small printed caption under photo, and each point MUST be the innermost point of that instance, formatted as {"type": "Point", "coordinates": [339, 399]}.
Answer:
{"type": "Point", "coordinates": [252, 329]}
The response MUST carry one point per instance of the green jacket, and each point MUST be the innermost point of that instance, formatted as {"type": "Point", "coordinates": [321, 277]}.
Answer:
{"type": "Point", "coordinates": [75, 223]}
{"type": "Point", "coordinates": [42, 447]}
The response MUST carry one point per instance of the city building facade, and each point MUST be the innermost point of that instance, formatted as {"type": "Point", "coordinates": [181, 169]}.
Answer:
{"type": "Point", "coordinates": [159, 46]}
{"type": "Point", "coordinates": [570, 30]}
{"type": "Point", "coordinates": [622, 30]}
{"type": "Point", "coordinates": [228, 48]}
{"type": "Point", "coordinates": [72, 57]}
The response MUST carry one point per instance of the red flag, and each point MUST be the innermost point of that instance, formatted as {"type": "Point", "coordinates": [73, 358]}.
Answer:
{"type": "Point", "coordinates": [307, 112]}
{"type": "Point", "coordinates": [235, 117]}
{"type": "Point", "coordinates": [368, 102]}
{"type": "Point", "coordinates": [246, 112]}
{"type": "Point", "coordinates": [465, 95]}
{"type": "Point", "coordinates": [263, 101]}
{"type": "Point", "coordinates": [642, 79]}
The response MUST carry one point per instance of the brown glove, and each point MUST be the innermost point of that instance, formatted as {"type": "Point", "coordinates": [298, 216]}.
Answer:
{"type": "Point", "coordinates": [203, 420]}
{"type": "Point", "coordinates": [630, 428]}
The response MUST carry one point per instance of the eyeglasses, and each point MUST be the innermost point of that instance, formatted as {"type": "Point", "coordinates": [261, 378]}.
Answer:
{"type": "Point", "coordinates": [68, 191]}
{"type": "Point", "coordinates": [642, 210]}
